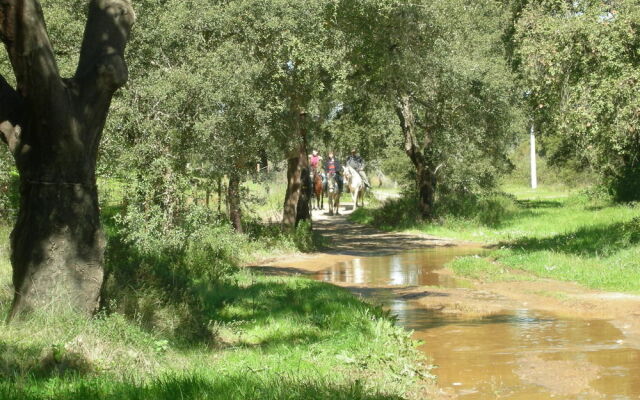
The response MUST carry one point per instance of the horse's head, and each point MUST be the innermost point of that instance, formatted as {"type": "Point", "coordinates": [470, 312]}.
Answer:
{"type": "Point", "coordinates": [347, 172]}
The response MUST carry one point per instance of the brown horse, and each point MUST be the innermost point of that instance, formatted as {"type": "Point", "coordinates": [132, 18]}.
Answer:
{"type": "Point", "coordinates": [318, 190]}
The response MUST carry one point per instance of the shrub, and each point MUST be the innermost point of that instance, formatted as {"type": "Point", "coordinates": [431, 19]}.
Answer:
{"type": "Point", "coordinates": [624, 186]}
{"type": "Point", "coordinates": [489, 209]}
{"type": "Point", "coordinates": [9, 193]}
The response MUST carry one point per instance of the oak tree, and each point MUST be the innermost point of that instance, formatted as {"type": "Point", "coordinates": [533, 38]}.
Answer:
{"type": "Point", "coordinates": [53, 126]}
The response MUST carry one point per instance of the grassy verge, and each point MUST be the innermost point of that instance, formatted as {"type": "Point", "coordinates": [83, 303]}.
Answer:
{"type": "Point", "coordinates": [243, 336]}
{"type": "Point", "coordinates": [547, 233]}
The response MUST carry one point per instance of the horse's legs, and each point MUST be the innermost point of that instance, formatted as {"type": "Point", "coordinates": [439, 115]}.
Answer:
{"type": "Point", "coordinates": [354, 196]}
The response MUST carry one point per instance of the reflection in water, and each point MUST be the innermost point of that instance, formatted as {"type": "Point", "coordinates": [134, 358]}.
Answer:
{"type": "Point", "coordinates": [410, 268]}
{"type": "Point", "coordinates": [519, 354]}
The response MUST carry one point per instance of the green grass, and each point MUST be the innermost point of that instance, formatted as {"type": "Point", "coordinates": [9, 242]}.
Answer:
{"type": "Point", "coordinates": [484, 269]}
{"type": "Point", "coordinates": [259, 337]}
{"type": "Point", "coordinates": [548, 233]}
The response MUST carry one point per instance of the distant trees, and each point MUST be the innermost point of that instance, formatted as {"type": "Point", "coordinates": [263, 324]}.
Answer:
{"type": "Point", "coordinates": [579, 62]}
{"type": "Point", "coordinates": [445, 78]}
{"type": "Point", "coordinates": [53, 128]}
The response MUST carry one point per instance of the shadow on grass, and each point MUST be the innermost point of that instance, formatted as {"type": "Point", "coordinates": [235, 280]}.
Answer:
{"type": "Point", "coordinates": [199, 299]}
{"type": "Point", "coordinates": [40, 364]}
{"type": "Point", "coordinates": [598, 240]}
{"type": "Point", "coordinates": [539, 204]}
{"type": "Point", "coordinates": [270, 300]}
{"type": "Point", "coordinates": [227, 387]}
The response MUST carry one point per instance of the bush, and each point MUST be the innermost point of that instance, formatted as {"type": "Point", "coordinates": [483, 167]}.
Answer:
{"type": "Point", "coordinates": [303, 237]}
{"type": "Point", "coordinates": [9, 193]}
{"type": "Point", "coordinates": [625, 185]}
{"type": "Point", "coordinates": [395, 213]}
{"type": "Point", "coordinates": [489, 209]}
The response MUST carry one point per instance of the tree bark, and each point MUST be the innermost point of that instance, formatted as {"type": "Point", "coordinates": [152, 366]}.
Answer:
{"type": "Point", "coordinates": [303, 211]}
{"type": "Point", "coordinates": [298, 194]}
{"type": "Point", "coordinates": [425, 175]}
{"type": "Point", "coordinates": [292, 195]}
{"type": "Point", "coordinates": [53, 130]}
{"type": "Point", "coordinates": [233, 196]}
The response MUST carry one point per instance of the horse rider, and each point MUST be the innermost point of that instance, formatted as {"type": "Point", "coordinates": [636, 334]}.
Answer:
{"type": "Point", "coordinates": [356, 162]}
{"type": "Point", "coordinates": [332, 166]}
{"type": "Point", "coordinates": [315, 161]}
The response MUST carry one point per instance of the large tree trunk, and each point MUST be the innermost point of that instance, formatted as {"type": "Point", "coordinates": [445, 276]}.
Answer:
{"type": "Point", "coordinates": [425, 175]}
{"type": "Point", "coordinates": [292, 195]}
{"type": "Point", "coordinates": [53, 128]}
{"type": "Point", "coordinates": [233, 197]}
{"type": "Point", "coordinates": [297, 197]}
{"type": "Point", "coordinates": [303, 211]}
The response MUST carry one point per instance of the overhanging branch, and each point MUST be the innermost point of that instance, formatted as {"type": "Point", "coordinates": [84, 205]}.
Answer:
{"type": "Point", "coordinates": [102, 66]}
{"type": "Point", "coordinates": [23, 31]}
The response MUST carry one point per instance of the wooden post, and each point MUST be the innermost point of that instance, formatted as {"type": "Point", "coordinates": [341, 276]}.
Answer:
{"type": "Point", "coordinates": [534, 172]}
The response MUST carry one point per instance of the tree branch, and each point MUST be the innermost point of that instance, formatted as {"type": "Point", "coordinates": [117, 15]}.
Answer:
{"type": "Point", "coordinates": [10, 115]}
{"type": "Point", "coordinates": [23, 31]}
{"type": "Point", "coordinates": [407, 123]}
{"type": "Point", "coordinates": [102, 66]}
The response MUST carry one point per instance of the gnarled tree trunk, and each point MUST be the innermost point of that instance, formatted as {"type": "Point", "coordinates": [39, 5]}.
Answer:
{"type": "Point", "coordinates": [296, 165]}
{"type": "Point", "coordinates": [297, 197]}
{"type": "Point", "coordinates": [303, 211]}
{"type": "Point", "coordinates": [53, 128]}
{"type": "Point", "coordinates": [425, 175]}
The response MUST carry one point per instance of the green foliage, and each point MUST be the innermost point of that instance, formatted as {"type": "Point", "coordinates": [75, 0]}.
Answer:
{"type": "Point", "coordinates": [568, 174]}
{"type": "Point", "coordinates": [579, 62]}
{"type": "Point", "coordinates": [303, 237]}
{"type": "Point", "coordinates": [397, 166]}
{"type": "Point", "coordinates": [9, 191]}
{"type": "Point", "coordinates": [489, 209]}
{"type": "Point", "coordinates": [453, 72]}
{"type": "Point", "coordinates": [399, 213]}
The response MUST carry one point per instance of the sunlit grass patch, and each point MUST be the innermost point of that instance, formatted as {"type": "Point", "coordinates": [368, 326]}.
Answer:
{"type": "Point", "coordinates": [551, 233]}
{"type": "Point", "coordinates": [485, 269]}
{"type": "Point", "coordinates": [263, 338]}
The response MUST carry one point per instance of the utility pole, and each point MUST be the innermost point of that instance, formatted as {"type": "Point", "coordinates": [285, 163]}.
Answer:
{"type": "Point", "coordinates": [534, 174]}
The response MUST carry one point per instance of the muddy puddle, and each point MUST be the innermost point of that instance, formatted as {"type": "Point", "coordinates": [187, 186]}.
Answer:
{"type": "Point", "coordinates": [515, 353]}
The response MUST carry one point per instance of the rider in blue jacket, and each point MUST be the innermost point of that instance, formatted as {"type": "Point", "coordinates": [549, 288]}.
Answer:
{"type": "Point", "coordinates": [332, 166]}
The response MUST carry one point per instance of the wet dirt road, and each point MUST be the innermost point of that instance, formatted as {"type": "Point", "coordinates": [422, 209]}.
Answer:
{"type": "Point", "coordinates": [487, 341]}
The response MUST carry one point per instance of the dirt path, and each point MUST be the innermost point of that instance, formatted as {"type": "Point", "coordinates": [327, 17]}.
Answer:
{"type": "Point", "coordinates": [348, 241]}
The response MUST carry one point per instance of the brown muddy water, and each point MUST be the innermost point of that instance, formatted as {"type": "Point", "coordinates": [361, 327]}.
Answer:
{"type": "Point", "coordinates": [515, 354]}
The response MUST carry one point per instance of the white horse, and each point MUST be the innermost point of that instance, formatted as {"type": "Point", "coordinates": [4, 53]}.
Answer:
{"type": "Point", "coordinates": [333, 195]}
{"type": "Point", "coordinates": [356, 186]}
